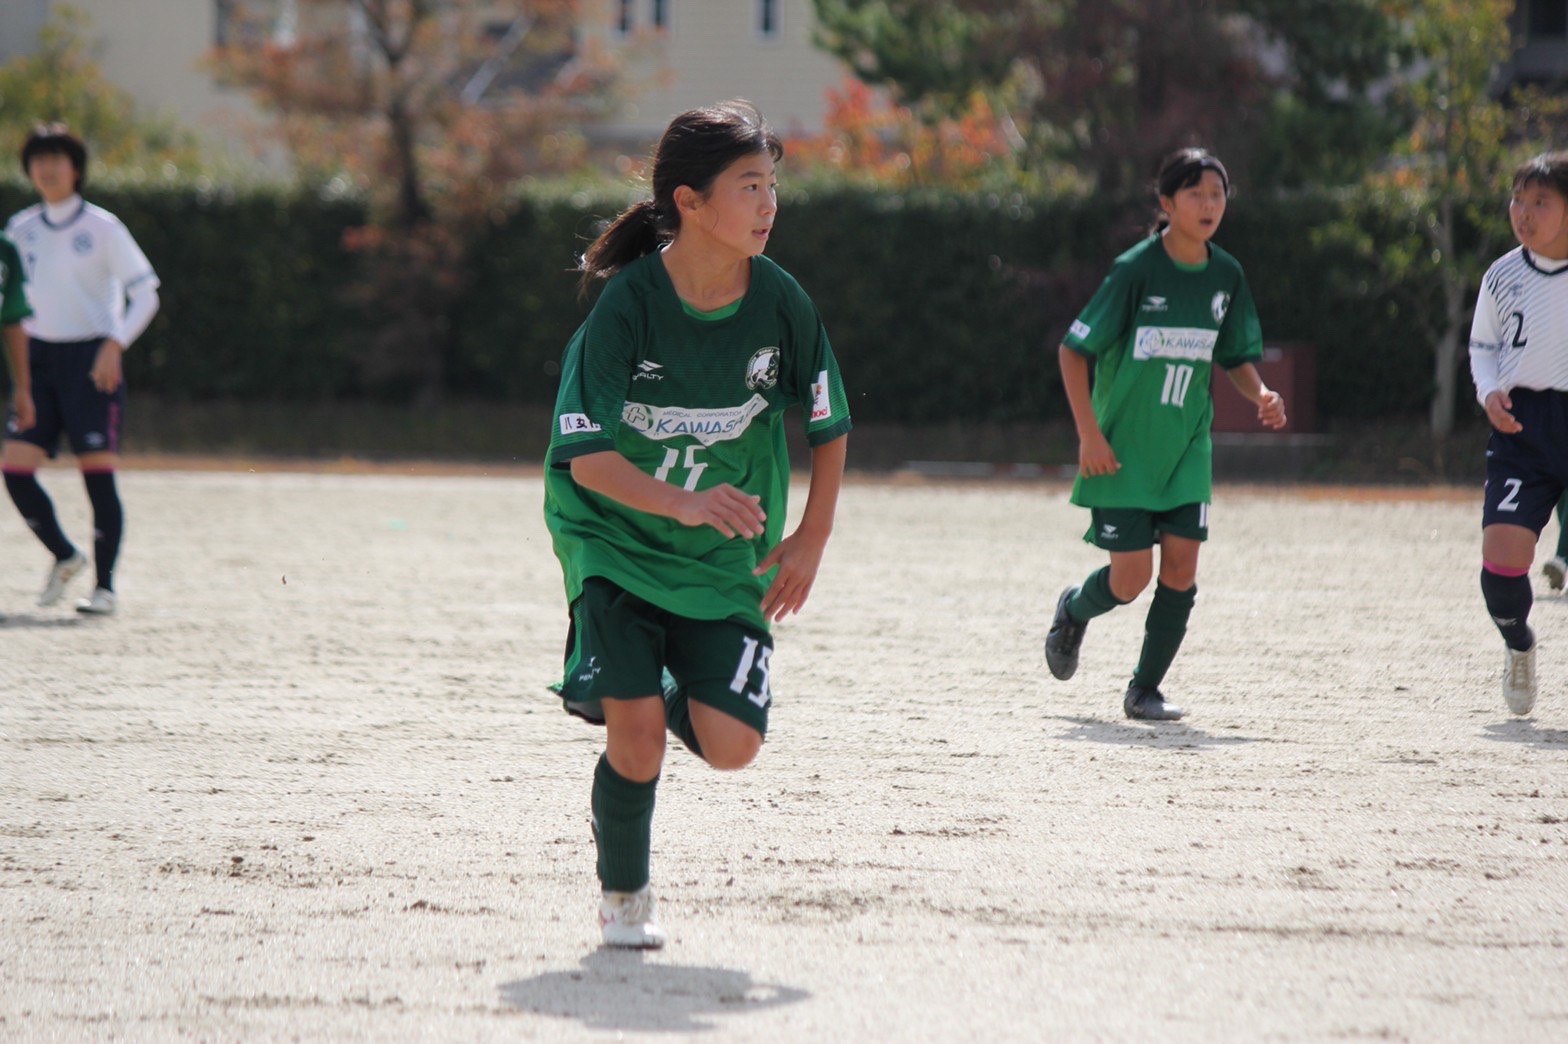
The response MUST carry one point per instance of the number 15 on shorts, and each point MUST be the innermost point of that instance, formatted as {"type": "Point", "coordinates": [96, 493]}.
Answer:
{"type": "Point", "coordinates": [751, 673]}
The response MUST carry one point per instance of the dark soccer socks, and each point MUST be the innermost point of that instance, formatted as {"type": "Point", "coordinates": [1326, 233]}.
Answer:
{"type": "Point", "coordinates": [1163, 631]}
{"type": "Point", "coordinates": [37, 511]}
{"type": "Point", "coordinates": [108, 523]}
{"type": "Point", "coordinates": [1508, 600]}
{"type": "Point", "coordinates": [1094, 597]}
{"type": "Point", "coordinates": [622, 827]}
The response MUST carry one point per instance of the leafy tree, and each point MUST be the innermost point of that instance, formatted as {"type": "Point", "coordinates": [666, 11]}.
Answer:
{"type": "Point", "coordinates": [1114, 84]}
{"type": "Point", "coordinates": [1454, 167]}
{"type": "Point", "coordinates": [61, 81]}
{"type": "Point", "coordinates": [434, 108]}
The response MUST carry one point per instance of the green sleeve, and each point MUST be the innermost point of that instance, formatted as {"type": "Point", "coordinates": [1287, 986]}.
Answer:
{"type": "Point", "coordinates": [596, 370]}
{"type": "Point", "coordinates": [1103, 322]}
{"type": "Point", "coordinates": [13, 291]}
{"type": "Point", "coordinates": [1241, 334]}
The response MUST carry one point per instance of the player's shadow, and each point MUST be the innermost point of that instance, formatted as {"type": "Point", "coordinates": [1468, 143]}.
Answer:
{"type": "Point", "coordinates": [1163, 734]}
{"type": "Point", "coordinates": [1523, 730]}
{"type": "Point", "coordinates": [621, 990]}
{"type": "Point", "coordinates": [25, 620]}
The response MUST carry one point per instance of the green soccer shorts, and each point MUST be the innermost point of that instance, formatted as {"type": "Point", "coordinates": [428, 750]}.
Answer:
{"type": "Point", "coordinates": [1134, 529]}
{"type": "Point", "coordinates": [619, 646]}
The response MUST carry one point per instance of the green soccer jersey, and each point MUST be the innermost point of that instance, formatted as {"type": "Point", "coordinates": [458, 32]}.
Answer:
{"type": "Point", "coordinates": [691, 400]}
{"type": "Point", "coordinates": [13, 296]}
{"type": "Point", "coordinates": [1155, 330]}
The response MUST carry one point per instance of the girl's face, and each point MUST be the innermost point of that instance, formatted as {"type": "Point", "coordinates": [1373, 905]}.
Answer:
{"type": "Point", "coordinates": [1195, 211]}
{"type": "Point", "coordinates": [1539, 215]}
{"type": "Point", "coordinates": [53, 175]}
{"type": "Point", "coordinates": [737, 214]}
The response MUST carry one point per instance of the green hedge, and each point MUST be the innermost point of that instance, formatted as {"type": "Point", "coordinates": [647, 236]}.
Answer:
{"type": "Point", "coordinates": [943, 309]}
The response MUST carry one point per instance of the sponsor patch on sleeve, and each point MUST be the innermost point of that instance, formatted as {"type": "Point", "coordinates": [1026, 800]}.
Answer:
{"type": "Point", "coordinates": [1079, 329]}
{"type": "Point", "coordinates": [821, 405]}
{"type": "Point", "coordinates": [577, 424]}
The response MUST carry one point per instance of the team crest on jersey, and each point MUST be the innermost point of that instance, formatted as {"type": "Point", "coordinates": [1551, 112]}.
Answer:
{"type": "Point", "coordinates": [82, 243]}
{"type": "Point", "coordinates": [1219, 306]}
{"type": "Point", "coordinates": [762, 372]}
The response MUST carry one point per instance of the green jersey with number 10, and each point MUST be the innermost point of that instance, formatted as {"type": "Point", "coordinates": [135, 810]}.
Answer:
{"type": "Point", "coordinates": [1155, 330]}
{"type": "Point", "coordinates": [696, 400]}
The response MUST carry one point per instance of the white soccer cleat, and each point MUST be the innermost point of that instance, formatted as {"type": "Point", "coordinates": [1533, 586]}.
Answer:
{"type": "Point", "coordinates": [1555, 570]}
{"type": "Point", "coordinates": [60, 574]}
{"type": "Point", "coordinates": [1519, 680]}
{"type": "Point", "coordinates": [626, 919]}
{"type": "Point", "coordinates": [99, 603]}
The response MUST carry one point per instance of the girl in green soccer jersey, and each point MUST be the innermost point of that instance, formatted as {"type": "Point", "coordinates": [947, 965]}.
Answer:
{"type": "Point", "coordinates": [1173, 306]}
{"type": "Point", "coordinates": [667, 475]}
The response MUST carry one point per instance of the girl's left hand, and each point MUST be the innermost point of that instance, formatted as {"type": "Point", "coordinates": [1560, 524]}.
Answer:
{"type": "Point", "coordinates": [1271, 409]}
{"type": "Point", "coordinates": [798, 558]}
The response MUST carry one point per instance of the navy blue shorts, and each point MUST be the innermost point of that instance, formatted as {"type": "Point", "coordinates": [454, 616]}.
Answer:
{"type": "Point", "coordinates": [66, 400]}
{"type": "Point", "coordinates": [1526, 473]}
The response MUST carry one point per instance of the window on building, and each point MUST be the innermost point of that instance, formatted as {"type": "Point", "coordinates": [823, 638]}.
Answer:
{"type": "Point", "coordinates": [625, 17]}
{"type": "Point", "coordinates": [768, 18]}
{"type": "Point", "coordinates": [1546, 19]}
{"type": "Point", "coordinates": [659, 13]}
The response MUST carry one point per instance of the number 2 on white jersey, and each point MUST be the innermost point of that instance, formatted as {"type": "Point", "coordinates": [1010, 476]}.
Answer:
{"type": "Point", "coordinates": [672, 458]}
{"type": "Point", "coordinates": [1178, 378]}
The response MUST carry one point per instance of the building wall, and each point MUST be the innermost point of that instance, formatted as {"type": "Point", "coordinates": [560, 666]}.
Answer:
{"type": "Point", "coordinates": [710, 50]}
{"type": "Point", "coordinates": [153, 50]}
{"type": "Point", "coordinates": [707, 51]}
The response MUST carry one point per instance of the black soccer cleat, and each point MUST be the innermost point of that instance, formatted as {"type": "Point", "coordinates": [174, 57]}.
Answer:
{"type": "Point", "coordinates": [1146, 703]}
{"type": "Point", "coordinates": [1063, 639]}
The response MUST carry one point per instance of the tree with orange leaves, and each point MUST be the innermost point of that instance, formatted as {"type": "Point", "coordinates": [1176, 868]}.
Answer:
{"type": "Point", "coordinates": [433, 108]}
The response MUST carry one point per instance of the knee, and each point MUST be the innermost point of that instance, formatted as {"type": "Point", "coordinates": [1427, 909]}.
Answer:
{"type": "Point", "coordinates": [636, 754]}
{"type": "Point", "coordinates": [734, 753]}
{"type": "Point", "coordinates": [1128, 583]}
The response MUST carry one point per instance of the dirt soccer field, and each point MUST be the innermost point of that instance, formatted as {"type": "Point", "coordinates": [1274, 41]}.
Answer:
{"type": "Point", "coordinates": [309, 785]}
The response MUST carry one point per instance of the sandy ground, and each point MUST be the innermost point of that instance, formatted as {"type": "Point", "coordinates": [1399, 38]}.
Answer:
{"type": "Point", "coordinates": [308, 785]}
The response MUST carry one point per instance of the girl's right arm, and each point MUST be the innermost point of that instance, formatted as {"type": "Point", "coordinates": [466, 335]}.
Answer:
{"type": "Point", "coordinates": [1095, 456]}
{"type": "Point", "coordinates": [723, 507]}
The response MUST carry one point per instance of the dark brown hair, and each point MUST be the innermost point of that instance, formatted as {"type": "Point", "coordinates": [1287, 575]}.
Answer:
{"type": "Point", "coordinates": [1549, 169]}
{"type": "Point", "coordinates": [1183, 169]}
{"type": "Point", "coordinates": [56, 139]}
{"type": "Point", "coordinates": [694, 150]}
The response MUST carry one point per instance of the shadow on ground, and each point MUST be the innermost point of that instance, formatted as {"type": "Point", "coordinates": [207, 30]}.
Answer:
{"type": "Point", "coordinates": [1523, 730]}
{"type": "Point", "coordinates": [1173, 734]}
{"type": "Point", "coordinates": [629, 991]}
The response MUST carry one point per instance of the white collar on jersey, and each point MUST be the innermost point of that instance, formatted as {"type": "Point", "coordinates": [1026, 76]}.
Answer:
{"type": "Point", "coordinates": [63, 212]}
{"type": "Point", "coordinates": [1549, 265]}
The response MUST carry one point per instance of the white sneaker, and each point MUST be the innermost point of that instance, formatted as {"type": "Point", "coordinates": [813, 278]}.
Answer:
{"type": "Point", "coordinates": [60, 574]}
{"type": "Point", "coordinates": [1519, 680]}
{"type": "Point", "coordinates": [99, 603]}
{"type": "Point", "coordinates": [626, 919]}
{"type": "Point", "coordinates": [1555, 570]}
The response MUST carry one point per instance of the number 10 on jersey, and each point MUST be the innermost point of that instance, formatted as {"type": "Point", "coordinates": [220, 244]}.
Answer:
{"type": "Point", "coordinates": [1178, 378]}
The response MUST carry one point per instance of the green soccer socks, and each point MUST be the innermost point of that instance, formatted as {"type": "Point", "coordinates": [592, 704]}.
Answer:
{"type": "Point", "coordinates": [1163, 631]}
{"type": "Point", "coordinates": [622, 827]}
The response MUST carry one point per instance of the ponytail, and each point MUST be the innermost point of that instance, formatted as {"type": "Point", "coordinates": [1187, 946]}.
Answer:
{"type": "Point", "coordinates": [637, 231]}
{"type": "Point", "coordinates": [694, 149]}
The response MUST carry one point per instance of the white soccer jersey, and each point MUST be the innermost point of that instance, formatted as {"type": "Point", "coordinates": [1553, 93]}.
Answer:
{"type": "Point", "coordinates": [1519, 336]}
{"type": "Point", "coordinates": [80, 265]}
